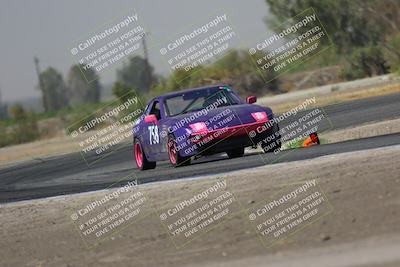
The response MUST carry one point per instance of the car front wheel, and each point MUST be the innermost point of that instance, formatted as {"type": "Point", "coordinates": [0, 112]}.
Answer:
{"type": "Point", "coordinates": [173, 153]}
{"type": "Point", "coordinates": [274, 140]}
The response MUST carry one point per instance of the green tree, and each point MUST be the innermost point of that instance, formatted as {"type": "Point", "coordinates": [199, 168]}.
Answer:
{"type": "Point", "coordinates": [360, 30]}
{"type": "Point", "coordinates": [122, 92]}
{"type": "Point", "coordinates": [5, 138]}
{"type": "Point", "coordinates": [17, 112]}
{"type": "Point", "coordinates": [234, 68]}
{"type": "Point", "coordinates": [366, 61]}
{"type": "Point", "coordinates": [26, 128]}
{"type": "Point", "coordinates": [137, 74]}
{"type": "Point", "coordinates": [82, 87]}
{"type": "Point", "coordinates": [54, 89]}
{"type": "Point", "coordinates": [351, 24]}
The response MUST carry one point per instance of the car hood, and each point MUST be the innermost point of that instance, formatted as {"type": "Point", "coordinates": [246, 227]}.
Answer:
{"type": "Point", "coordinates": [226, 116]}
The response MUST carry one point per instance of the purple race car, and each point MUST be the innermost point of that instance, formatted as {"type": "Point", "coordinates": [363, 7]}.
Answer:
{"type": "Point", "coordinates": [203, 121]}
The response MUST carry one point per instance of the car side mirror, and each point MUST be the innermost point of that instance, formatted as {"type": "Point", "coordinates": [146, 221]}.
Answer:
{"type": "Point", "coordinates": [251, 99]}
{"type": "Point", "coordinates": [151, 119]}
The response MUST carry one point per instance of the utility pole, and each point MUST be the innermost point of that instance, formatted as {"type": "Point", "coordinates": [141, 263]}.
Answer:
{"type": "Point", "coordinates": [41, 86]}
{"type": "Point", "coordinates": [146, 61]}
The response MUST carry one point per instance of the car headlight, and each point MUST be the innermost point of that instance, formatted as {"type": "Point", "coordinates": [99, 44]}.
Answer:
{"type": "Point", "coordinates": [198, 127]}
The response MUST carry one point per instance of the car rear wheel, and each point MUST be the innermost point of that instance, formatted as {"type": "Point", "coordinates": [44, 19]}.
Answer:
{"type": "Point", "coordinates": [140, 157]}
{"type": "Point", "coordinates": [173, 153]}
{"type": "Point", "coordinates": [235, 153]}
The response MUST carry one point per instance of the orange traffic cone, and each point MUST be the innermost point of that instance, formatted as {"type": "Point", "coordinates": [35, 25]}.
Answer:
{"type": "Point", "coordinates": [311, 140]}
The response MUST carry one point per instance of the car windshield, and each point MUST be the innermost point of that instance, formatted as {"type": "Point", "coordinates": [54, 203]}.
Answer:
{"type": "Point", "coordinates": [198, 100]}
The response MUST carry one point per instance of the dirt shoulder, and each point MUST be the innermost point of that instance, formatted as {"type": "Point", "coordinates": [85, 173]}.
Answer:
{"type": "Point", "coordinates": [335, 93]}
{"type": "Point", "coordinates": [363, 131]}
{"type": "Point", "coordinates": [363, 189]}
{"type": "Point", "coordinates": [334, 97]}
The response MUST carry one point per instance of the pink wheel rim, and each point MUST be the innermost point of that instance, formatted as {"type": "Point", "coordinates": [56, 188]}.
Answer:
{"type": "Point", "coordinates": [138, 155]}
{"type": "Point", "coordinates": [172, 151]}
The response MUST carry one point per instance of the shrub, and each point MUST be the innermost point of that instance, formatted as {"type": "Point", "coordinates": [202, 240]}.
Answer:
{"type": "Point", "coordinates": [366, 62]}
{"type": "Point", "coordinates": [392, 53]}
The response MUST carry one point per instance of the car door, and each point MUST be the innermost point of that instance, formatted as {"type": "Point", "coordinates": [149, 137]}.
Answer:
{"type": "Point", "coordinates": [152, 130]}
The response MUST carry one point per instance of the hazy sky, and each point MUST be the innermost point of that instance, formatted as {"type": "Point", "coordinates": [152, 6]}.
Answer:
{"type": "Point", "coordinates": [46, 28]}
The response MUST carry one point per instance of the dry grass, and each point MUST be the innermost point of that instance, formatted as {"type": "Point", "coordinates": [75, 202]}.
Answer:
{"type": "Point", "coordinates": [363, 131]}
{"type": "Point", "coordinates": [58, 145]}
{"type": "Point", "coordinates": [339, 97]}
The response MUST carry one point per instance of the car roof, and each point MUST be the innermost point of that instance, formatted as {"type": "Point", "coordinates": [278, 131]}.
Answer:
{"type": "Point", "coordinates": [176, 93]}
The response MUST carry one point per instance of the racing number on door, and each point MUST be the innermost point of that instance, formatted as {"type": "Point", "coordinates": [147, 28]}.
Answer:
{"type": "Point", "coordinates": [154, 137]}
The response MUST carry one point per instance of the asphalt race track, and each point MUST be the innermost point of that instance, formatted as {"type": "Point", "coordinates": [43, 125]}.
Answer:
{"type": "Point", "coordinates": [69, 173]}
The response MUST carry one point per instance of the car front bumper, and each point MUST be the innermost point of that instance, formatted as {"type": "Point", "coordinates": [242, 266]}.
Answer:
{"type": "Point", "coordinates": [224, 139]}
